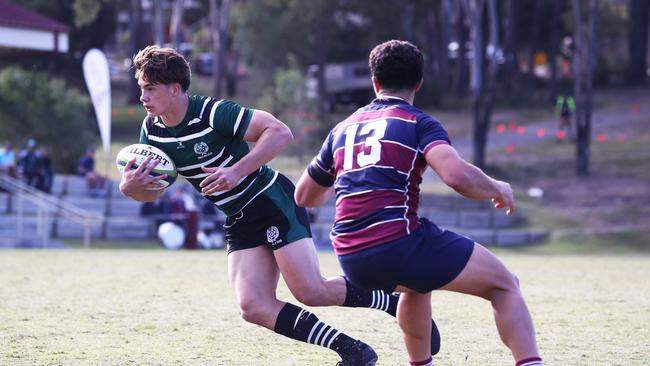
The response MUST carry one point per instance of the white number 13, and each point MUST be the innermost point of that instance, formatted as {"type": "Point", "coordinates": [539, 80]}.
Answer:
{"type": "Point", "coordinates": [370, 135]}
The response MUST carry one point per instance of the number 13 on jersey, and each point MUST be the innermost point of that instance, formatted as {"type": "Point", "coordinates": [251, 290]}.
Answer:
{"type": "Point", "coordinates": [369, 136]}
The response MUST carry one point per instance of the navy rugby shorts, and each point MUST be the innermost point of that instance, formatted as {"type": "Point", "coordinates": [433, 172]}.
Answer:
{"type": "Point", "coordinates": [272, 218]}
{"type": "Point", "coordinates": [423, 261]}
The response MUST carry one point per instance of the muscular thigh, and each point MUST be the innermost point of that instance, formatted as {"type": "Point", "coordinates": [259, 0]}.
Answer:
{"type": "Point", "coordinates": [299, 264]}
{"type": "Point", "coordinates": [483, 273]}
{"type": "Point", "coordinates": [253, 274]}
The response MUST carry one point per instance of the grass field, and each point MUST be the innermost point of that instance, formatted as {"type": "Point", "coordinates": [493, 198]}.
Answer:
{"type": "Point", "coordinates": [157, 307]}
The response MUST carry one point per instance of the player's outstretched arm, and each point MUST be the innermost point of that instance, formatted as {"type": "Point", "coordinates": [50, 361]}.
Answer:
{"type": "Point", "coordinates": [135, 182]}
{"type": "Point", "coordinates": [467, 179]}
{"type": "Point", "coordinates": [311, 194]}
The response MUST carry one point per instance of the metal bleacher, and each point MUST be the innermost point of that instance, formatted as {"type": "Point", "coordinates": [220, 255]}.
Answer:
{"type": "Point", "coordinates": [31, 218]}
{"type": "Point", "coordinates": [28, 217]}
{"type": "Point", "coordinates": [121, 215]}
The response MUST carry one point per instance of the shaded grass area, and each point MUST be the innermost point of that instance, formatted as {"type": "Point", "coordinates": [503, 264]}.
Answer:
{"type": "Point", "coordinates": [628, 243]}
{"type": "Point", "coordinates": [157, 307]}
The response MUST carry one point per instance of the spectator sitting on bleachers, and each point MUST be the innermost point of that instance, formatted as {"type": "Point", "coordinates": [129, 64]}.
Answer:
{"type": "Point", "coordinates": [8, 160]}
{"type": "Point", "coordinates": [86, 168]}
{"type": "Point", "coordinates": [29, 163]}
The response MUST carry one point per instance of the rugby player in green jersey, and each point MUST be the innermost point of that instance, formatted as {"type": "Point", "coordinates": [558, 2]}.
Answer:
{"type": "Point", "coordinates": [267, 234]}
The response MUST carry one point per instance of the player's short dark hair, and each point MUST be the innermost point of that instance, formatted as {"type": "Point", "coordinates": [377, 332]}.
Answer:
{"type": "Point", "coordinates": [396, 65]}
{"type": "Point", "coordinates": [160, 65]}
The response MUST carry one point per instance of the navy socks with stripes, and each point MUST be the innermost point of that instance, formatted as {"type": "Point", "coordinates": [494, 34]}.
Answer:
{"type": "Point", "coordinates": [304, 326]}
{"type": "Point", "coordinates": [356, 297]}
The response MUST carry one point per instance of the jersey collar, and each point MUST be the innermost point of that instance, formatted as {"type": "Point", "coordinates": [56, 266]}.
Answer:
{"type": "Point", "coordinates": [389, 99]}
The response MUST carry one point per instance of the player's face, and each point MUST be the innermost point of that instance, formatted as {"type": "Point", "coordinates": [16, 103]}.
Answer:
{"type": "Point", "coordinates": [155, 98]}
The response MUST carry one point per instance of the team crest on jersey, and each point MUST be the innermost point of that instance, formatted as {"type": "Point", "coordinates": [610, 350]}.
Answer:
{"type": "Point", "coordinates": [272, 234]}
{"type": "Point", "coordinates": [201, 149]}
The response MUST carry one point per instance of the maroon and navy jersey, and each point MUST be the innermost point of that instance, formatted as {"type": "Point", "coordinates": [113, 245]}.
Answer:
{"type": "Point", "coordinates": [375, 160]}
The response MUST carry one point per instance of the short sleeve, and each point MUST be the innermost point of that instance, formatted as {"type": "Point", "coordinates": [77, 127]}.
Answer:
{"type": "Point", "coordinates": [321, 168]}
{"type": "Point", "coordinates": [431, 133]}
{"type": "Point", "coordinates": [230, 119]}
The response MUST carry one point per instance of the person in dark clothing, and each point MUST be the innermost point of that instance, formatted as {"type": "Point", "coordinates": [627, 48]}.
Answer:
{"type": "Point", "coordinates": [29, 163]}
{"type": "Point", "coordinates": [45, 175]}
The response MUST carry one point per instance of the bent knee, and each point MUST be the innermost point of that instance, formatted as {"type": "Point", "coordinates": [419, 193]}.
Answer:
{"type": "Point", "coordinates": [515, 279]}
{"type": "Point", "coordinates": [308, 296]}
{"type": "Point", "coordinates": [507, 282]}
{"type": "Point", "coordinates": [253, 311]}
{"type": "Point", "coordinates": [502, 283]}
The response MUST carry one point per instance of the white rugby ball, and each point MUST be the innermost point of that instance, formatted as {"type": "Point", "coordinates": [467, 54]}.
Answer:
{"type": "Point", "coordinates": [140, 152]}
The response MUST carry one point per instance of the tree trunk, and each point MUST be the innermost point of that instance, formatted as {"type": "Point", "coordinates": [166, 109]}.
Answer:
{"type": "Point", "coordinates": [492, 65]}
{"type": "Point", "coordinates": [175, 22]}
{"type": "Point", "coordinates": [432, 72]}
{"type": "Point", "coordinates": [534, 38]}
{"type": "Point", "coordinates": [158, 21]}
{"type": "Point", "coordinates": [215, 38]}
{"type": "Point", "coordinates": [585, 34]}
{"type": "Point", "coordinates": [136, 43]}
{"type": "Point", "coordinates": [443, 30]}
{"type": "Point", "coordinates": [511, 46]}
{"type": "Point", "coordinates": [461, 64]}
{"type": "Point", "coordinates": [407, 16]}
{"type": "Point", "coordinates": [219, 19]}
{"type": "Point", "coordinates": [325, 105]}
{"type": "Point", "coordinates": [638, 41]}
{"type": "Point", "coordinates": [437, 41]}
{"type": "Point", "coordinates": [476, 77]}
{"type": "Point", "coordinates": [483, 84]}
{"type": "Point", "coordinates": [233, 66]}
{"type": "Point", "coordinates": [553, 50]}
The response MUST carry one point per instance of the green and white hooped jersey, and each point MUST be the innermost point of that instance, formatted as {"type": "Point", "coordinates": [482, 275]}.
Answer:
{"type": "Point", "coordinates": [210, 135]}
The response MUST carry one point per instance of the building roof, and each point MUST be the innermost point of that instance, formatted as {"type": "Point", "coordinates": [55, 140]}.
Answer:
{"type": "Point", "coordinates": [16, 16]}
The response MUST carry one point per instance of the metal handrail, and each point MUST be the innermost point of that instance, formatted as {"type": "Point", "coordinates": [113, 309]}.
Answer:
{"type": "Point", "coordinates": [47, 203]}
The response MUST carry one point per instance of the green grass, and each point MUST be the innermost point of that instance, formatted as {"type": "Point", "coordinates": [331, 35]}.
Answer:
{"type": "Point", "coordinates": [157, 307]}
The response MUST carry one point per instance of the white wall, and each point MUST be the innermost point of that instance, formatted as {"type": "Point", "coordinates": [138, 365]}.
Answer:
{"type": "Point", "coordinates": [32, 39]}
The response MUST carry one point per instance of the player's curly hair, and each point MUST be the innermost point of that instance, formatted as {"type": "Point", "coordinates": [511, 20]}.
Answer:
{"type": "Point", "coordinates": [159, 65]}
{"type": "Point", "coordinates": [397, 65]}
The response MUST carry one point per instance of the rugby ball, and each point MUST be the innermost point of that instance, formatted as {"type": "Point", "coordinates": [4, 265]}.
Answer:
{"type": "Point", "coordinates": [140, 152]}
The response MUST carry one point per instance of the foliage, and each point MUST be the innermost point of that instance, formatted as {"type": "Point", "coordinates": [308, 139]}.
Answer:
{"type": "Point", "coordinates": [286, 100]}
{"type": "Point", "coordinates": [34, 105]}
{"type": "Point", "coordinates": [86, 11]}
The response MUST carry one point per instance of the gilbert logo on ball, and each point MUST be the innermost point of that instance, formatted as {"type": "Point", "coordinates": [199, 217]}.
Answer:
{"type": "Point", "coordinates": [140, 153]}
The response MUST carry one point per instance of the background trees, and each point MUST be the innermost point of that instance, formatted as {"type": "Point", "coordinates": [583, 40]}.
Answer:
{"type": "Point", "coordinates": [482, 53]}
{"type": "Point", "coordinates": [34, 105]}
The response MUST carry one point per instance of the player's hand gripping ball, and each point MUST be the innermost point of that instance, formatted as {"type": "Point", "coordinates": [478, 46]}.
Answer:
{"type": "Point", "coordinates": [140, 153]}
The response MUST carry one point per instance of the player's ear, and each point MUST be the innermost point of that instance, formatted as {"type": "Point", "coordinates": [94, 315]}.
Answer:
{"type": "Point", "coordinates": [418, 86]}
{"type": "Point", "coordinates": [375, 85]}
{"type": "Point", "coordinates": [176, 89]}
